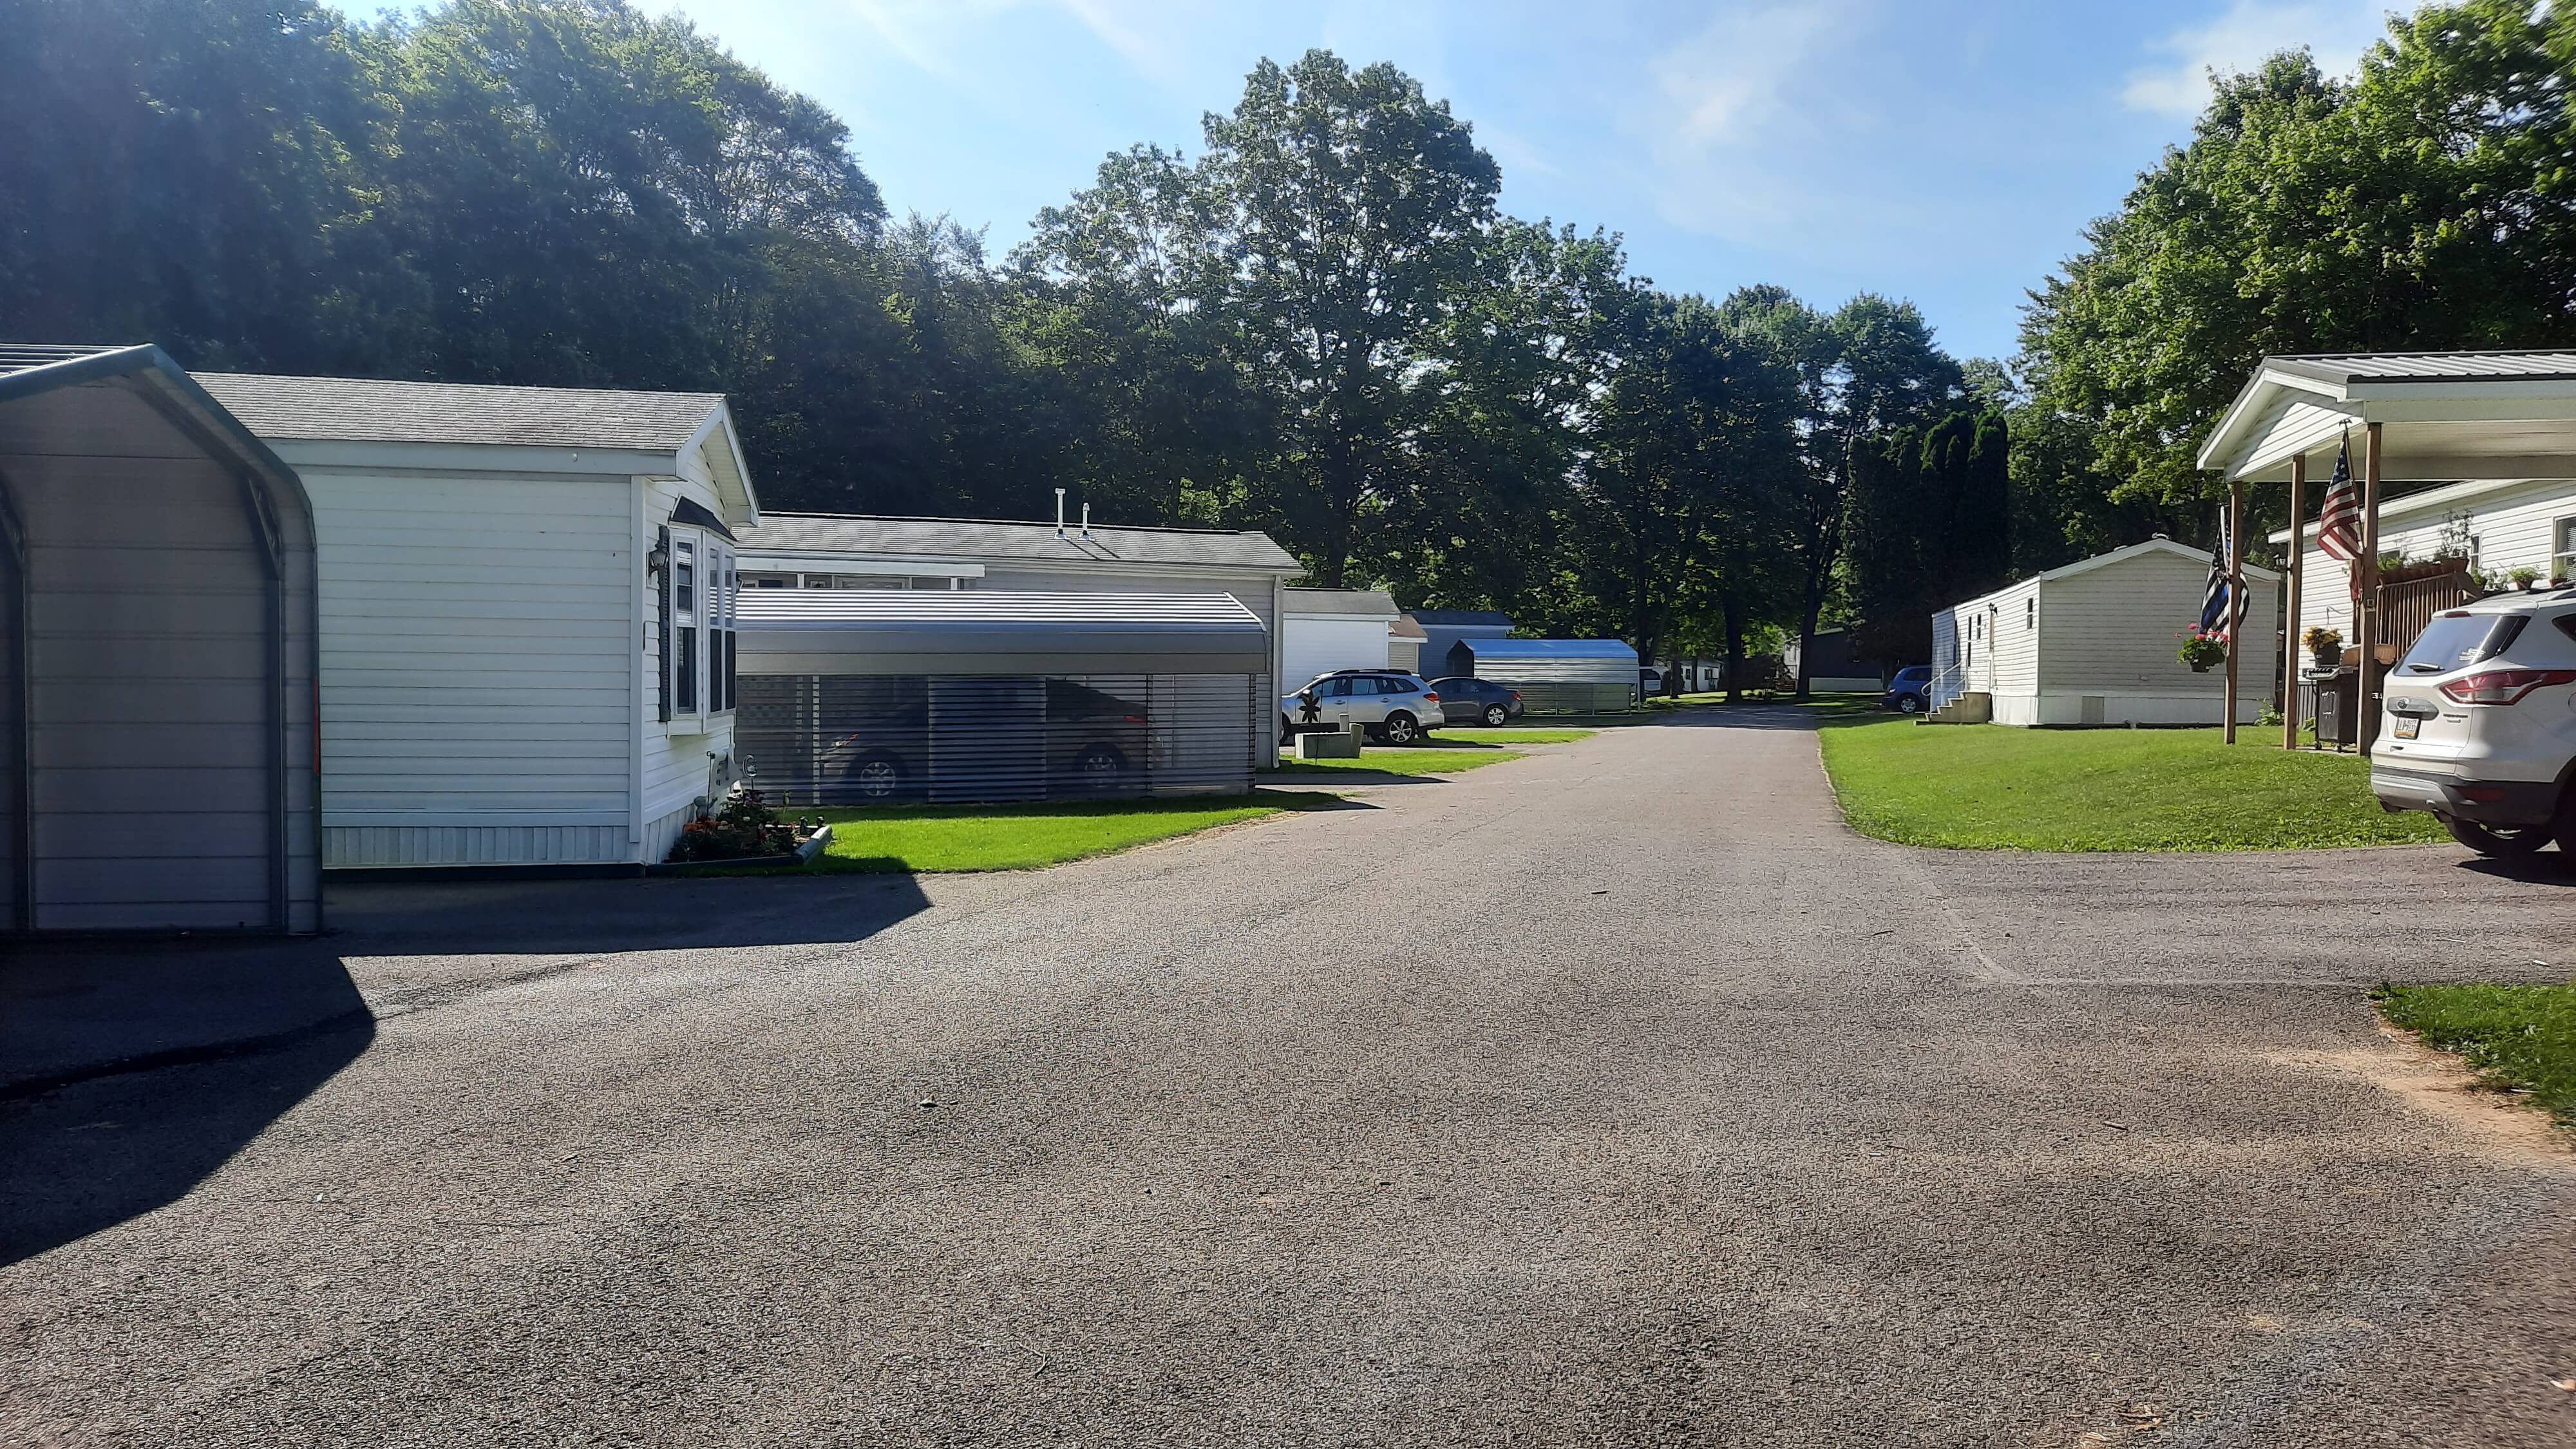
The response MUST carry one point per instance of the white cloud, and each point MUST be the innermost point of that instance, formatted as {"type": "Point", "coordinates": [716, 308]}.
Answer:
{"type": "Point", "coordinates": [2336, 32]}
{"type": "Point", "coordinates": [1725, 84]}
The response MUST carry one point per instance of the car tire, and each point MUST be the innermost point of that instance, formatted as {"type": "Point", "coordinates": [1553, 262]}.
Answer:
{"type": "Point", "coordinates": [877, 779]}
{"type": "Point", "coordinates": [2498, 840]}
{"type": "Point", "coordinates": [1496, 715]}
{"type": "Point", "coordinates": [1100, 767]}
{"type": "Point", "coordinates": [1287, 728]}
{"type": "Point", "coordinates": [1909, 704]}
{"type": "Point", "coordinates": [1399, 729]}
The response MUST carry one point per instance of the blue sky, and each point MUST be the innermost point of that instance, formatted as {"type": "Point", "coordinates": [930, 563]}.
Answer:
{"type": "Point", "coordinates": [1948, 151]}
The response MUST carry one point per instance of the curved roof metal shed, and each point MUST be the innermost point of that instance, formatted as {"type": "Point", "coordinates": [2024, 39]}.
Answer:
{"type": "Point", "coordinates": [158, 656]}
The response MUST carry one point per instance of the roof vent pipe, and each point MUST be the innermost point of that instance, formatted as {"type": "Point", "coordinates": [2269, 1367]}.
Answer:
{"type": "Point", "coordinates": [1059, 513]}
{"type": "Point", "coordinates": [1086, 522]}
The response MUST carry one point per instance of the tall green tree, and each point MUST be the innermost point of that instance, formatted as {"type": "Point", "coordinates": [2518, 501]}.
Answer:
{"type": "Point", "coordinates": [2425, 204]}
{"type": "Point", "coordinates": [1355, 205]}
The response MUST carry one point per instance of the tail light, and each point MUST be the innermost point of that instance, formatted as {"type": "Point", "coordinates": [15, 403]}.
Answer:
{"type": "Point", "coordinates": [2503, 686]}
{"type": "Point", "coordinates": [1432, 695]}
{"type": "Point", "coordinates": [1514, 693]}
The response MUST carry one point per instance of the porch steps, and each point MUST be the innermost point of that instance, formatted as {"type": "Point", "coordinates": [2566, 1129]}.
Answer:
{"type": "Point", "coordinates": [1974, 707]}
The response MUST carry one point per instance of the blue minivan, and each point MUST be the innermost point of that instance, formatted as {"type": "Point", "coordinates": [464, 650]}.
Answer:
{"type": "Point", "coordinates": [1905, 696]}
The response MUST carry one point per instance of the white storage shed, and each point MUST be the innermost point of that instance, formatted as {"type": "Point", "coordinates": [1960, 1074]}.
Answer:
{"type": "Point", "coordinates": [1556, 675]}
{"type": "Point", "coordinates": [527, 613]}
{"type": "Point", "coordinates": [2096, 643]}
{"type": "Point", "coordinates": [1321, 630]}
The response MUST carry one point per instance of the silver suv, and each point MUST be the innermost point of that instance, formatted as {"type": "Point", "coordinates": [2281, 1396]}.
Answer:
{"type": "Point", "coordinates": [2479, 724]}
{"type": "Point", "coordinates": [1391, 706]}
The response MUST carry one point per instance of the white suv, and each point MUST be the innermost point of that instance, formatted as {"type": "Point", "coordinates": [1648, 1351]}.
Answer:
{"type": "Point", "coordinates": [1396, 708]}
{"type": "Point", "coordinates": [2479, 724]}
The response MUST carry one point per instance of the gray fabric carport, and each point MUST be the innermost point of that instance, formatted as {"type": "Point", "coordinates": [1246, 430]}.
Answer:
{"type": "Point", "coordinates": [158, 656]}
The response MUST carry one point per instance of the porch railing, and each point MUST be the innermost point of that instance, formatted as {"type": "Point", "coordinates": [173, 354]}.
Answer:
{"type": "Point", "coordinates": [2408, 605]}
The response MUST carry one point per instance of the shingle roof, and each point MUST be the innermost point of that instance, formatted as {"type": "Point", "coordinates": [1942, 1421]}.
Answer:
{"type": "Point", "coordinates": [967, 538]}
{"type": "Point", "coordinates": [1339, 601]}
{"type": "Point", "coordinates": [831, 607]}
{"type": "Point", "coordinates": [2431, 366]}
{"type": "Point", "coordinates": [359, 410]}
{"type": "Point", "coordinates": [1550, 649]}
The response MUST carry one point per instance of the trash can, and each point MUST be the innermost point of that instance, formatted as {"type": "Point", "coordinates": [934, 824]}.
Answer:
{"type": "Point", "coordinates": [2333, 702]}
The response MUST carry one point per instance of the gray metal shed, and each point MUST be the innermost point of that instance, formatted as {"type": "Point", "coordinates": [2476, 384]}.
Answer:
{"type": "Point", "coordinates": [1558, 675]}
{"type": "Point", "coordinates": [158, 656]}
{"type": "Point", "coordinates": [878, 697]}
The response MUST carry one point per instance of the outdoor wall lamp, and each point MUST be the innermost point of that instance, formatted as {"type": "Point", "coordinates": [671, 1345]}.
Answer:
{"type": "Point", "coordinates": [657, 560]}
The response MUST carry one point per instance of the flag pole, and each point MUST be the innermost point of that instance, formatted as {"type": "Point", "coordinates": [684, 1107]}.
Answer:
{"type": "Point", "coordinates": [2290, 609]}
{"type": "Point", "coordinates": [2366, 607]}
{"type": "Point", "coordinates": [2234, 616]}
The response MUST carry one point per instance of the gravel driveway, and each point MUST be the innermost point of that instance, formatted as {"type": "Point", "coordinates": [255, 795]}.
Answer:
{"type": "Point", "coordinates": [1615, 1096]}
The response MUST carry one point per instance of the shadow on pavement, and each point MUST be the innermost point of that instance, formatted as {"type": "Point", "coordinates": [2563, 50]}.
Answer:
{"type": "Point", "coordinates": [130, 1070]}
{"type": "Point", "coordinates": [2549, 868]}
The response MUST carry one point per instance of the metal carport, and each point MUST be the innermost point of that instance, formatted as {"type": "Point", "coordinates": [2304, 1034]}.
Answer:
{"type": "Point", "coordinates": [852, 697]}
{"type": "Point", "coordinates": [158, 653]}
{"type": "Point", "coordinates": [1555, 675]}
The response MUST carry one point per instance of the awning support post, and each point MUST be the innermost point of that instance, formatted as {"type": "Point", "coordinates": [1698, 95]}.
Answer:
{"type": "Point", "coordinates": [2290, 608]}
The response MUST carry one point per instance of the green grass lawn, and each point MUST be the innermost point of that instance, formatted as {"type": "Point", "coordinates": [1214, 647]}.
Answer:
{"type": "Point", "coordinates": [1507, 735]}
{"type": "Point", "coordinates": [1446, 753]}
{"type": "Point", "coordinates": [939, 838]}
{"type": "Point", "coordinates": [1988, 787]}
{"type": "Point", "coordinates": [2518, 1036]}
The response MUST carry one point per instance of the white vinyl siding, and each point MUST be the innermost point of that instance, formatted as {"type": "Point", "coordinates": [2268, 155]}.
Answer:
{"type": "Point", "coordinates": [475, 665]}
{"type": "Point", "coordinates": [2518, 527]}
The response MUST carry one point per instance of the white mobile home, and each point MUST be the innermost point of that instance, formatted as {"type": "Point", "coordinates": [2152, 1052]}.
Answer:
{"type": "Point", "coordinates": [2095, 643]}
{"type": "Point", "coordinates": [526, 613]}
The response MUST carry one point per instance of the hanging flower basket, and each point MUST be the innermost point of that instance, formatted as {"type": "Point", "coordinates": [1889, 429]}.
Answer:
{"type": "Point", "coordinates": [2203, 652]}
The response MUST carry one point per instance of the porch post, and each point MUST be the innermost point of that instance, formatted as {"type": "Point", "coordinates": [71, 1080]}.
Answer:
{"type": "Point", "coordinates": [2290, 608]}
{"type": "Point", "coordinates": [2365, 609]}
{"type": "Point", "coordinates": [2235, 597]}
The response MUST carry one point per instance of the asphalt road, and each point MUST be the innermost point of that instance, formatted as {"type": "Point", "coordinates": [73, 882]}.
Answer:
{"type": "Point", "coordinates": [1616, 1096]}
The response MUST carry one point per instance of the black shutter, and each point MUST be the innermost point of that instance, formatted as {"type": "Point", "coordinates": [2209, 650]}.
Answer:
{"type": "Point", "coordinates": [732, 646]}
{"type": "Point", "coordinates": [663, 589]}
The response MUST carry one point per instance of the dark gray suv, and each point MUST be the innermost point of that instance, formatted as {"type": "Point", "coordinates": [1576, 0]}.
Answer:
{"type": "Point", "coordinates": [1464, 698]}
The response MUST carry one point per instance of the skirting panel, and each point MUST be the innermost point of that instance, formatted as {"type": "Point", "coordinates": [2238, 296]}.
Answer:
{"type": "Point", "coordinates": [360, 846]}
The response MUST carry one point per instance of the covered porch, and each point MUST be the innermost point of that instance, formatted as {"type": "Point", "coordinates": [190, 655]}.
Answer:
{"type": "Point", "coordinates": [2464, 423]}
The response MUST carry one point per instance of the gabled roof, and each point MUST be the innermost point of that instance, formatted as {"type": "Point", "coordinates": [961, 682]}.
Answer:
{"type": "Point", "coordinates": [1550, 649]}
{"type": "Point", "coordinates": [2198, 556]}
{"type": "Point", "coordinates": [1403, 627]}
{"type": "Point", "coordinates": [851, 535]}
{"type": "Point", "coordinates": [367, 410]}
{"type": "Point", "coordinates": [29, 369]}
{"type": "Point", "coordinates": [1368, 602]}
{"type": "Point", "coordinates": [2444, 415]}
{"type": "Point", "coordinates": [322, 410]}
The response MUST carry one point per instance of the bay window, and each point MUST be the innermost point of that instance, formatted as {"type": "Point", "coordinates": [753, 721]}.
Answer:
{"type": "Point", "coordinates": [699, 579]}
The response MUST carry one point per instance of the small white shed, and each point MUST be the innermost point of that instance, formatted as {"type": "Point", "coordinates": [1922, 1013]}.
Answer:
{"type": "Point", "coordinates": [1321, 630]}
{"type": "Point", "coordinates": [2095, 643]}
{"type": "Point", "coordinates": [526, 613]}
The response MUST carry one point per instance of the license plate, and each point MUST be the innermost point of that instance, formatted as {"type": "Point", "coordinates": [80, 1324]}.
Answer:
{"type": "Point", "coordinates": [2409, 726]}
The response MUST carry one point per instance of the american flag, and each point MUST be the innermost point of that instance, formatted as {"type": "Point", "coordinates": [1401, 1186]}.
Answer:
{"type": "Point", "coordinates": [2214, 611]}
{"type": "Point", "coordinates": [2339, 525]}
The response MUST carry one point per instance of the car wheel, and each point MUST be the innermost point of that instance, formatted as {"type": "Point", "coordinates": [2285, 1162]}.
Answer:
{"type": "Point", "coordinates": [1400, 729]}
{"type": "Point", "coordinates": [1099, 767]}
{"type": "Point", "coordinates": [1495, 714]}
{"type": "Point", "coordinates": [2497, 839]}
{"type": "Point", "coordinates": [1909, 704]}
{"type": "Point", "coordinates": [877, 778]}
